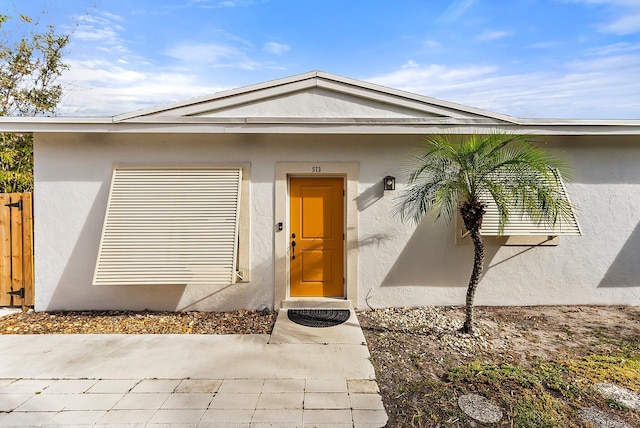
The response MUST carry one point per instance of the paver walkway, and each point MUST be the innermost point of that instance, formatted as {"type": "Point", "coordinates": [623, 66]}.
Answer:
{"type": "Point", "coordinates": [298, 376]}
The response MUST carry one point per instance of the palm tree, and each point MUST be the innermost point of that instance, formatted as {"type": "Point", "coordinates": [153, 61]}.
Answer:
{"type": "Point", "coordinates": [461, 174]}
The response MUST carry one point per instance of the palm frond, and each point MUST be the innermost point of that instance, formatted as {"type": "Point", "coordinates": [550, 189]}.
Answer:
{"type": "Point", "coordinates": [510, 170]}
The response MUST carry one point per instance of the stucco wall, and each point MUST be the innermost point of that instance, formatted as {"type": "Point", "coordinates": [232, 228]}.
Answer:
{"type": "Point", "coordinates": [399, 265]}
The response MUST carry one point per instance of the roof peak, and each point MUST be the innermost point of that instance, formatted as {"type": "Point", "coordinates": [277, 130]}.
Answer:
{"type": "Point", "coordinates": [312, 79]}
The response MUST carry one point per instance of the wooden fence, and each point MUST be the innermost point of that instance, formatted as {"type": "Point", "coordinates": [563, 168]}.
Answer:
{"type": "Point", "coordinates": [16, 250]}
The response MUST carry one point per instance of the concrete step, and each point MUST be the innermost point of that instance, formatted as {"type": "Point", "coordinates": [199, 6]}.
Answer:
{"type": "Point", "coordinates": [315, 303]}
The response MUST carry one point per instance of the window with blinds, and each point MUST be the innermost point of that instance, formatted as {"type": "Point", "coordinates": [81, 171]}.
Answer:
{"type": "Point", "coordinates": [522, 225]}
{"type": "Point", "coordinates": [170, 226]}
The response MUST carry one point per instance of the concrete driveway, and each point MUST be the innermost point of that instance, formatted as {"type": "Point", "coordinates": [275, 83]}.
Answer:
{"type": "Point", "coordinates": [297, 376]}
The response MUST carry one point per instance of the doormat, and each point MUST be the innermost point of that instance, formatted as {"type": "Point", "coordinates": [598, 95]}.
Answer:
{"type": "Point", "coordinates": [318, 317]}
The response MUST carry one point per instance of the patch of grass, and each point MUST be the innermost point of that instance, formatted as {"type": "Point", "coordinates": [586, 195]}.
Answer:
{"type": "Point", "coordinates": [491, 374]}
{"type": "Point", "coordinates": [538, 411]}
{"type": "Point", "coordinates": [629, 348]}
{"type": "Point", "coordinates": [621, 369]}
{"type": "Point", "coordinates": [425, 402]}
{"type": "Point", "coordinates": [454, 417]}
{"type": "Point", "coordinates": [555, 377]}
{"type": "Point", "coordinates": [614, 404]}
{"type": "Point", "coordinates": [535, 395]}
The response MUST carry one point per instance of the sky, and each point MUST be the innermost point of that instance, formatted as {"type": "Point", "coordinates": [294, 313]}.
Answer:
{"type": "Point", "coordinates": [524, 58]}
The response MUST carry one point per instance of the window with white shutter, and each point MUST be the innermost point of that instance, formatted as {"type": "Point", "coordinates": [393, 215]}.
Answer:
{"type": "Point", "coordinates": [520, 228]}
{"type": "Point", "coordinates": [171, 226]}
{"type": "Point", "coordinates": [522, 225]}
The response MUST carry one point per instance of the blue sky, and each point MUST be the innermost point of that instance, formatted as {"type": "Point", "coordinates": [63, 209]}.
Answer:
{"type": "Point", "coordinates": [525, 58]}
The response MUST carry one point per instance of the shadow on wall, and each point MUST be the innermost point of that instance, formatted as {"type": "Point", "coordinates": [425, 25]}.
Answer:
{"type": "Point", "coordinates": [432, 258]}
{"type": "Point", "coordinates": [370, 196]}
{"type": "Point", "coordinates": [625, 269]}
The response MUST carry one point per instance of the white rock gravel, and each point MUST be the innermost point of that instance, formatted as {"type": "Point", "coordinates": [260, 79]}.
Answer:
{"type": "Point", "coordinates": [601, 419]}
{"type": "Point", "coordinates": [440, 323]}
{"type": "Point", "coordinates": [479, 408]}
{"type": "Point", "coordinates": [619, 394]}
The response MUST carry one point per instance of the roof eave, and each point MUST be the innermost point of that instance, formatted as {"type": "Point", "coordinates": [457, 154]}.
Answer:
{"type": "Point", "coordinates": [279, 125]}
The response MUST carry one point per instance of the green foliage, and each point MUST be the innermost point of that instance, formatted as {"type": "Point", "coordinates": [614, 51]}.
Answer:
{"type": "Point", "coordinates": [30, 64]}
{"type": "Point", "coordinates": [16, 163]}
{"type": "Point", "coordinates": [509, 169]}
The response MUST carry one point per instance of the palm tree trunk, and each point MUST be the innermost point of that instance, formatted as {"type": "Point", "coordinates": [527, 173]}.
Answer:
{"type": "Point", "coordinates": [472, 213]}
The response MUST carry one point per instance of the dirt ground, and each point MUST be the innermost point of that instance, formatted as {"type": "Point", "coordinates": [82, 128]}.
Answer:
{"type": "Point", "coordinates": [539, 365]}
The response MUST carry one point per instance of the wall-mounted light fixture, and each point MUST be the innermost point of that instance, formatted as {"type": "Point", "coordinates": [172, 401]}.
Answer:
{"type": "Point", "coordinates": [389, 182]}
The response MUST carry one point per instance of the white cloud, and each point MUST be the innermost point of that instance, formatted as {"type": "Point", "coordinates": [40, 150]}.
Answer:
{"type": "Point", "coordinates": [233, 53]}
{"type": "Point", "coordinates": [625, 16]}
{"type": "Point", "coordinates": [207, 53]}
{"type": "Point", "coordinates": [276, 48]}
{"type": "Point", "coordinates": [492, 35]}
{"type": "Point", "coordinates": [545, 45]}
{"type": "Point", "coordinates": [216, 4]}
{"type": "Point", "coordinates": [628, 24]}
{"type": "Point", "coordinates": [429, 79]}
{"type": "Point", "coordinates": [99, 29]}
{"type": "Point", "coordinates": [455, 11]}
{"type": "Point", "coordinates": [100, 88]}
{"type": "Point", "coordinates": [615, 48]}
{"type": "Point", "coordinates": [432, 44]}
{"type": "Point", "coordinates": [594, 88]}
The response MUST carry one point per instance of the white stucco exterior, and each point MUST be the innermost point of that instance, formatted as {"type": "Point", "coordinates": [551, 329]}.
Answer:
{"type": "Point", "coordinates": [389, 263]}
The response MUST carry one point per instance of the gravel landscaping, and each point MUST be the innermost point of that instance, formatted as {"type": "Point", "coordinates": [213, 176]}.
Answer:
{"type": "Point", "coordinates": [130, 322]}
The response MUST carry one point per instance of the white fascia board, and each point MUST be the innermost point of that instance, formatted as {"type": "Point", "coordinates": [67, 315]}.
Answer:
{"type": "Point", "coordinates": [55, 124]}
{"type": "Point", "coordinates": [580, 122]}
{"type": "Point", "coordinates": [262, 125]}
{"type": "Point", "coordinates": [568, 129]}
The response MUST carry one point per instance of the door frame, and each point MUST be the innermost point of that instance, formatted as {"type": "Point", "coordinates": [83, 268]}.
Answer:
{"type": "Point", "coordinates": [284, 170]}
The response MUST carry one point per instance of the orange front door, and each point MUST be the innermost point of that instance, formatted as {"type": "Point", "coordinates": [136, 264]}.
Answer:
{"type": "Point", "coordinates": [317, 237]}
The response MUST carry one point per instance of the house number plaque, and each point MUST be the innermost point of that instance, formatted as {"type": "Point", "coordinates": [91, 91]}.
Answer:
{"type": "Point", "coordinates": [316, 169]}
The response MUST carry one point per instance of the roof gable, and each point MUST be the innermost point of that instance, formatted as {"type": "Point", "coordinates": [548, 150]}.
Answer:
{"type": "Point", "coordinates": [318, 103]}
{"type": "Point", "coordinates": [316, 95]}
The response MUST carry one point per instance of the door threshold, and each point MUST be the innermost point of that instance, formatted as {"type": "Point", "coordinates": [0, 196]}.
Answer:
{"type": "Point", "coordinates": [315, 303]}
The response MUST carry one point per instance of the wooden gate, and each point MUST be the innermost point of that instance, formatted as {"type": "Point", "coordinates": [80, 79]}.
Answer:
{"type": "Point", "coordinates": [16, 250]}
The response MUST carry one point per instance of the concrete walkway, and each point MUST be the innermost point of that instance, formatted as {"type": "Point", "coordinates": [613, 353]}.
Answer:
{"type": "Point", "coordinates": [295, 377]}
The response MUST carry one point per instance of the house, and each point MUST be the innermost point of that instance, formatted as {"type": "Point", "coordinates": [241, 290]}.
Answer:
{"type": "Point", "coordinates": [272, 195]}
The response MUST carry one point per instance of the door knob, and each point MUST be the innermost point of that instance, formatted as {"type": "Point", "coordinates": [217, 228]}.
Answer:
{"type": "Point", "coordinates": [293, 249]}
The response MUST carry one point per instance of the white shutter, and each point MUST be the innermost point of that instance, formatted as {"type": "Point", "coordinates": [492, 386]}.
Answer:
{"type": "Point", "coordinates": [170, 226]}
{"type": "Point", "coordinates": [523, 225]}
